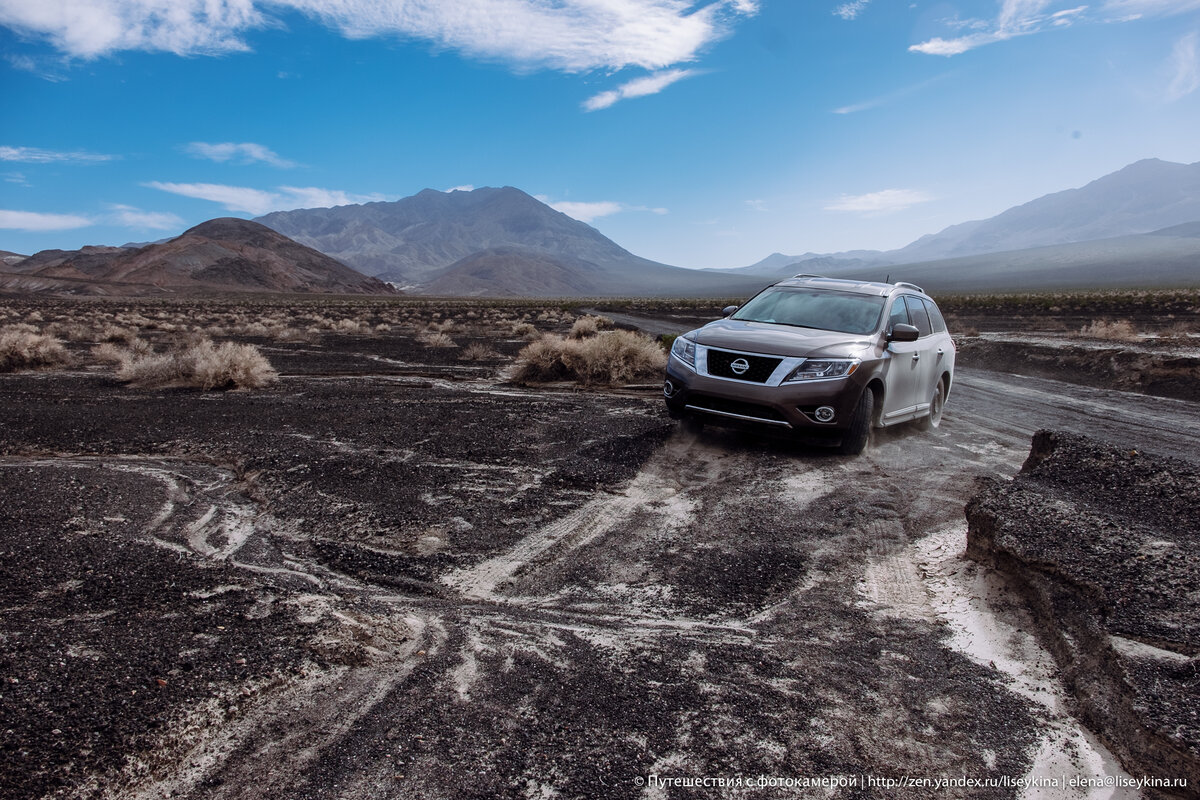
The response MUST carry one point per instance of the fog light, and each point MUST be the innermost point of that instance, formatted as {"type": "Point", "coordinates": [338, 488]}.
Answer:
{"type": "Point", "coordinates": [668, 388]}
{"type": "Point", "coordinates": [824, 414]}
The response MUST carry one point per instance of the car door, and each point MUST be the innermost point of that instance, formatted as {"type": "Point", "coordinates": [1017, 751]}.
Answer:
{"type": "Point", "coordinates": [904, 371]}
{"type": "Point", "coordinates": [925, 356]}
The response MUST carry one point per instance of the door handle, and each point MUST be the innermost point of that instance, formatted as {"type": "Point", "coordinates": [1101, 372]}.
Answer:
{"type": "Point", "coordinates": [916, 357]}
{"type": "Point", "coordinates": [940, 351]}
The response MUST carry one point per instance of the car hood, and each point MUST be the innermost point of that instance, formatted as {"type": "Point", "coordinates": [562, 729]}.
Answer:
{"type": "Point", "coordinates": [780, 340]}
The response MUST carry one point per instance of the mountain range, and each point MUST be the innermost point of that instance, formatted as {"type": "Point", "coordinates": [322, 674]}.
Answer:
{"type": "Point", "coordinates": [1052, 241]}
{"type": "Point", "coordinates": [1139, 226]}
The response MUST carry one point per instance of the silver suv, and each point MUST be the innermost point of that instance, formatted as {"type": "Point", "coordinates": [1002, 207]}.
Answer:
{"type": "Point", "coordinates": [818, 357]}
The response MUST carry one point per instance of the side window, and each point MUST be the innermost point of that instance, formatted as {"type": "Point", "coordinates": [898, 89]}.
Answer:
{"type": "Point", "coordinates": [935, 316]}
{"type": "Point", "coordinates": [899, 314]}
{"type": "Point", "coordinates": [918, 315]}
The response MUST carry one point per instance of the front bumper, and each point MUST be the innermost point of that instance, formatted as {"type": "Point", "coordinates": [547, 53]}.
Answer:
{"type": "Point", "coordinates": [789, 407]}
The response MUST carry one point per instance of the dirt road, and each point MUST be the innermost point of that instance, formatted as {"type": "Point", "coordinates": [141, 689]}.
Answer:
{"type": "Point", "coordinates": [733, 612]}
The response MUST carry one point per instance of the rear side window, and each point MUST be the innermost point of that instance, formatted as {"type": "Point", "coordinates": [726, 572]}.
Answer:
{"type": "Point", "coordinates": [935, 316]}
{"type": "Point", "coordinates": [899, 314]}
{"type": "Point", "coordinates": [918, 315]}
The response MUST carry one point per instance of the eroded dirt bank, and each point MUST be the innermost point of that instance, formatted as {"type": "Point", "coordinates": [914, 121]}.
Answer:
{"type": "Point", "coordinates": [1102, 543]}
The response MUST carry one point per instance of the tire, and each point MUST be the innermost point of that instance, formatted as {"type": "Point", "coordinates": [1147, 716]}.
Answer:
{"type": "Point", "coordinates": [937, 404]}
{"type": "Point", "coordinates": [855, 439]}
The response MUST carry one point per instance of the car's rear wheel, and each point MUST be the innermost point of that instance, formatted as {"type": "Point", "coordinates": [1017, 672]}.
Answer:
{"type": "Point", "coordinates": [855, 439]}
{"type": "Point", "coordinates": [937, 404]}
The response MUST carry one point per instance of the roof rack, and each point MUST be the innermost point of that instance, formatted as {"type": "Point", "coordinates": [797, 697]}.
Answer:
{"type": "Point", "coordinates": [907, 285]}
{"type": "Point", "coordinates": [807, 275]}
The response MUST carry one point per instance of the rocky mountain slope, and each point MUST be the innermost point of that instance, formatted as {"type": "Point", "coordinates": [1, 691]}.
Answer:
{"type": "Point", "coordinates": [488, 241]}
{"type": "Point", "coordinates": [224, 254]}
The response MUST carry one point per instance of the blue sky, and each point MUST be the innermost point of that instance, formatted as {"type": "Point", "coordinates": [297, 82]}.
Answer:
{"type": "Point", "coordinates": [701, 134]}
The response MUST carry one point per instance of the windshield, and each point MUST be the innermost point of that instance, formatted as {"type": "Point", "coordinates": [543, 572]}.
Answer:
{"type": "Point", "coordinates": [814, 308]}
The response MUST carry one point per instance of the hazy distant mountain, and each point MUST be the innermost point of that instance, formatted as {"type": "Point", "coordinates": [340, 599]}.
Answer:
{"type": "Point", "coordinates": [224, 254]}
{"type": "Point", "coordinates": [778, 265]}
{"type": "Point", "coordinates": [1166, 258]}
{"type": "Point", "coordinates": [1145, 196]}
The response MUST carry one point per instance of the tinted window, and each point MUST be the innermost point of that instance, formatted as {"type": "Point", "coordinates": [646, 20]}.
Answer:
{"type": "Point", "coordinates": [918, 315]}
{"type": "Point", "coordinates": [899, 314]}
{"type": "Point", "coordinates": [844, 312]}
{"type": "Point", "coordinates": [935, 316]}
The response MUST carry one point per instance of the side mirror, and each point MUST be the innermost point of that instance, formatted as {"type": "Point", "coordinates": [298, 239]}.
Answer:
{"type": "Point", "coordinates": [727, 310]}
{"type": "Point", "coordinates": [902, 332]}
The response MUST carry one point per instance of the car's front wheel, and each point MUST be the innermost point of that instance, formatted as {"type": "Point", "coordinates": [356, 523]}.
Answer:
{"type": "Point", "coordinates": [855, 439]}
{"type": "Point", "coordinates": [937, 404]}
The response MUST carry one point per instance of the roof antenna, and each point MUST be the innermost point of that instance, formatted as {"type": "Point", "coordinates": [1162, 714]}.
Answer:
{"type": "Point", "coordinates": [889, 278]}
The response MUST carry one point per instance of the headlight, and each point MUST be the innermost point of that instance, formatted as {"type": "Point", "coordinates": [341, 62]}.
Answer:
{"type": "Point", "coordinates": [685, 351]}
{"type": "Point", "coordinates": [815, 369]}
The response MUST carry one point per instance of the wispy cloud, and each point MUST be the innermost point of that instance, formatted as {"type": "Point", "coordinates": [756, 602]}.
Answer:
{"type": "Point", "coordinates": [851, 10]}
{"type": "Point", "coordinates": [238, 152]}
{"type": "Point", "coordinates": [1016, 18]}
{"type": "Point", "coordinates": [588, 211]}
{"type": "Point", "coordinates": [890, 97]}
{"type": "Point", "coordinates": [259, 201]}
{"type": "Point", "coordinates": [36, 155]}
{"type": "Point", "coordinates": [37, 221]}
{"type": "Point", "coordinates": [570, 35]}
{"type": "Point", "coordinates": [466, 187]}
{"type": "Point", "coordinates": [130, 217]}
{"type": "Point", "coordinates": [638, 87]}
{"type": "Point", "coordinates": [1185, 67]}
{"type": "Point", "coordinates": [756, 205]}
{"type": "Point", "coordinates": [878, 202]}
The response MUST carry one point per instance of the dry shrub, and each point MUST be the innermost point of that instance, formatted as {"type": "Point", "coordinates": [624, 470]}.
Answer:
{"type": "Point", "coordinates": [525, 330]}
{"type": "Point", "coordinates": [436, 339]}
{"type": "Point", "coordinates": [202, 365]}
{"type": "Point", "coordinates": [478, 351]}
{"type": "Point", "coordinates": [589, 326]}
{"type": "Point", "coordinates": [612, 357]}
{"type": "Point", "coordinates": [351, 326]}
{"type": "Point", "coordinates": [1121, 330]}
{"type": "Point", "coordinates": [20, 349]}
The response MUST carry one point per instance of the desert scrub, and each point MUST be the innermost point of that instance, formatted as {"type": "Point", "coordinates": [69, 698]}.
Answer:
{"type": "Point", "coordinates": [202, 365]}
{"type": "Point", "coordinates": [436, 339]}
{"type": "Point", "coordinates": [611, 357]}
{"type": "Point", "coordinates": [21, 349]}
{"type": "Point", "coordinates": [478, 351]}
{"type": "Point", "coordinates": [589, 326]}
{"type": "Point", "coordinates": [1121, 330]}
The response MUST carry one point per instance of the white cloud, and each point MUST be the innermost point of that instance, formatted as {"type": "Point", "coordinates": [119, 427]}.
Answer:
{"type": "Point", "coordinates": [757, 205]}
{"type": "Point", "coordinates": [130, 217]}
{"type": "Point", "coordinates": [1185, 67]}
{"type": "Point", "coordinates": [570, 35]}
{"type": "Point", "coordinates": [851, 10]}
{"type": "Point", "coordinates": [638, 87]}
{"type": "Point", "coordinates": [36, 155]}
{"type": "Point", "coordinates": [891, 97]}
{"type": "Point", "coordinates": [240, 152]}
{"type": "Point", "coordinates": [586, 212]}
{"type": "Point", "coordinates": [1016, 18]}
{"type": "Point", "coordinates": [36, 221]}
{"type": "Point", "coordinates": [466, 187]}
{"type": "Point", "coordinates": [876, 202]}
{"type": "Point", "coordinates": [258, 201]}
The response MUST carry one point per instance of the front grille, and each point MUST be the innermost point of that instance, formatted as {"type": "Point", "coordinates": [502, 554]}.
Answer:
{"type": "Point", "coordinates": [720, 363]}
{"type": "Point", "coordinates": [735, 407]}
